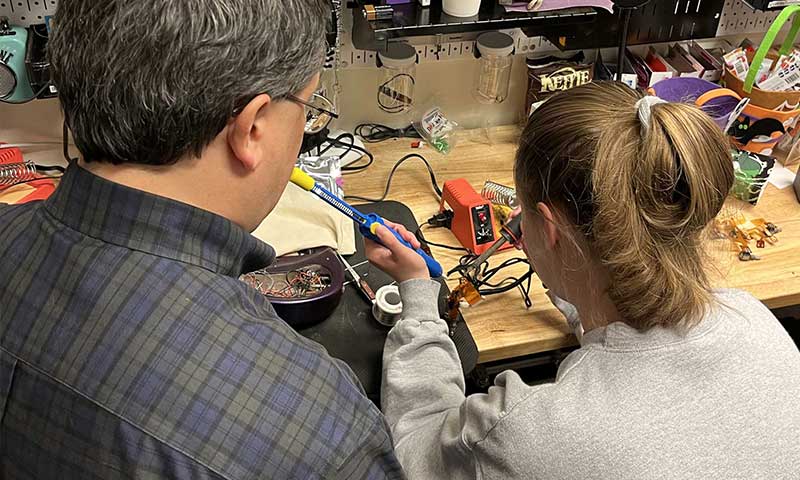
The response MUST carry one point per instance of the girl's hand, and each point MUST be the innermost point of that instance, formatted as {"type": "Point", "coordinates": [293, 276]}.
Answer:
{"type": "Point", "coordinates": [398, 261]}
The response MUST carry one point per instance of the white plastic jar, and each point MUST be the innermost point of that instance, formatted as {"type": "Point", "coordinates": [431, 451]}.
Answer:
{"type": "Point", "coordinates": [495, 50]}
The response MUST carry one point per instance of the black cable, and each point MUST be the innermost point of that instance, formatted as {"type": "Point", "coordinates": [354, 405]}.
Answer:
{"type": "Point", "coordinates": [65, 139]}
{"type": "Point", "coordinates": [526, 290]}
{"type": "Point", "coordinates": [359, 168]}
{"type": "Point", "coordinates": [35, 96]}
{"type": "Point", "coordinates": [375, 132]}
{"type": "Point", "coordinates": [50, 168]}
{"type": "Point", "coordinates": [503, 286]}
{"type": "Point", "coordinates": [489, 273]}
{"type": "Point", "coordinates": [421, 237]}
{"type": "Point", "coordinates": [482, 278]}
{"type": "Point", "coordinates": [517, 283]}
{"type": "Point", "coordinates": [499, 288]}
{"type": "Point", "coordinates": [403, 102]}
{"type": "Point", "coordinates": [434, 183]}
{"type": "Point", "coordinates": [337, 142]}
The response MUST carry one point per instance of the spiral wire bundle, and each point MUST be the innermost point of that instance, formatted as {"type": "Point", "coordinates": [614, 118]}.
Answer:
{"type": "Point", "coordinates": [14, 173]}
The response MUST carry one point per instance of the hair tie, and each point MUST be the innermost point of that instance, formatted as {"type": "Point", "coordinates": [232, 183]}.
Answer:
{"type": "Point", "coordinates": [644, 109]}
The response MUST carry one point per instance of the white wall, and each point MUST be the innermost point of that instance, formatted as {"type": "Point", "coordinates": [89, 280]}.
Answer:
{"type": "Point", "coordinates": [447, 84]}
{"type": "Point", "coordinates": [39, 120]}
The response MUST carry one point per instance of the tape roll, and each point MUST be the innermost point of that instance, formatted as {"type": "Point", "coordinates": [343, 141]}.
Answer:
{"type": "Point", "coordinates": [388, 306]}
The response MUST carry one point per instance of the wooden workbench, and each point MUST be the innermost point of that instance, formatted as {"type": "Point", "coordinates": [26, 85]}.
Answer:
{"type": "Point", "coordinates": [501, 325]}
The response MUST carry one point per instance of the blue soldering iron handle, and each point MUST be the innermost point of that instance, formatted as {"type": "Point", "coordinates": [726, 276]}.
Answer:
{"type": "Point", "coordinates": [434, 269]}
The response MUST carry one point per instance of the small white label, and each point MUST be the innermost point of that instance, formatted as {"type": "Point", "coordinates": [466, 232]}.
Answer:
{"type": "Point", "coordinates": [435, 123]}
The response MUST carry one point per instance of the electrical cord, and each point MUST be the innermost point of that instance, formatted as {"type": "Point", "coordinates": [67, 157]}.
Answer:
{"type": "Point", "coordinates": [421, 237]}
{"type": "Point", "coordinates": [434, 183]}
{"type": "Point", "coordinates": [50, 168]}
{"type": "Point", "coordinates": [402, 101]}
{"type": "Point", "coordinates": [35, 96]}
{"type": "Point", "coordinates": [375, 132]}
{"type": "Point", "coordinates": [337, 142]}
{"type": "Point", "coordinates": [65, 143]}
{"type": "Point", "coordinates": [482, 279]}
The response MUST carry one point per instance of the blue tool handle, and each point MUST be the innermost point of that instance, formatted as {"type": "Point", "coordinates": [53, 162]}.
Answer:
{"type": "Point", "coordinates": [434, 269]}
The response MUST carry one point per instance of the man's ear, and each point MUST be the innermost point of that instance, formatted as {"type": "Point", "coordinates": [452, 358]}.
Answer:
{"type": "Point", "coordinates": [245, 133]}
{"type": "Point", "coordinates": [551, 234]}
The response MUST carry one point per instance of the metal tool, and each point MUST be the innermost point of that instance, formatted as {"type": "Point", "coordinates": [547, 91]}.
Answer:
{"type": "Point", "coordinates": [362, 284]}
{"type": "Point", "coordinates": [367, 224]}
{"type": "Point", "coordinates": [14, 173]}
{"type": "Point", "coordinates": [510, 232]}
{"type": "Point", "coordinates": [499, 194]}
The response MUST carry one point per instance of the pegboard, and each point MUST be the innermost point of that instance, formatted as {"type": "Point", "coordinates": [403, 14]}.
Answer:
{"type": "Point", "coordinates": [671, 20]}
{"type": "Point", "coordinates": [738, 18]}
{"type": "Point", "coordinates": [27, 12]}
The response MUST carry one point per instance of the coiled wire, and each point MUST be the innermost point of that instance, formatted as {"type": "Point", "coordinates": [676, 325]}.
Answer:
{"type": "Point", "coordinates": [499, 194]}
{"type": "Point", "coordinates": [14, 173]}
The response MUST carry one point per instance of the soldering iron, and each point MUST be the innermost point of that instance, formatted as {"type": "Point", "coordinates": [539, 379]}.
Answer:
{"type": "Point", "coordinates": [367, 224]}
{"type": "Point", "coordinates": [510, 232]}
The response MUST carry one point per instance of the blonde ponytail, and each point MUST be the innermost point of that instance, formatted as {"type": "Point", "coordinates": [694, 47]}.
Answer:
{"type": "Point", "coordinates": [642, 180]}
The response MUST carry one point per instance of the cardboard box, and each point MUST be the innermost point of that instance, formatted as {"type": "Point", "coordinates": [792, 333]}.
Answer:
{"type": "Point", "coordinates": [712, 69]}
{"type": "Point", "coordinates": [681, 64]}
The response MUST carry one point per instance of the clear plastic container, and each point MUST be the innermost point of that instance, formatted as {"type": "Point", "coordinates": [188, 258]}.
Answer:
{"type": "Point", "coordinates": [495, 49]}
{"type": "Point", "coordinates": [398, 76]}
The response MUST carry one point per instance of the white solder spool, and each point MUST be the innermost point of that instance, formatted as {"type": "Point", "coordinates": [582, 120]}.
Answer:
{"type": "Point", "coordinates": [388, 306]}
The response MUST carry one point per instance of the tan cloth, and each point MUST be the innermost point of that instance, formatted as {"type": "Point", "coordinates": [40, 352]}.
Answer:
{"type": "Point", "coordinates": [14, 194]}
{"type": "Point", "coordinates": [301, 221]}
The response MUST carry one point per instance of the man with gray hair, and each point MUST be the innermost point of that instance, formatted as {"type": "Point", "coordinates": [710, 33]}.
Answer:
{"type": "Point", "coordinates": [129, 348]}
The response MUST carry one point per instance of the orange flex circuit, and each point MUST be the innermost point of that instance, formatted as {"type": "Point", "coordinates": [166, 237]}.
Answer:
{"type": "Point", "coordinates": [466, 291]}
{"type": "Point", "coordinates": [742, 231]}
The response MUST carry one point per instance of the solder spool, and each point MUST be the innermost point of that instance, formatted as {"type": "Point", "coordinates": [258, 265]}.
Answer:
{"type": "Point", "coordinates": [388, 306]}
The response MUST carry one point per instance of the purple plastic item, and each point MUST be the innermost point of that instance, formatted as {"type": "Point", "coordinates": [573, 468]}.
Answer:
{"type": "Point", "coordinates": [688, 90]}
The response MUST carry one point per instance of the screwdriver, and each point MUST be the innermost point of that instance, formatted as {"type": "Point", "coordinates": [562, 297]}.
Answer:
{"type": "Point", "coordinates": [510, 232]}
{"type": "Point", "coordinates": [367, 224]}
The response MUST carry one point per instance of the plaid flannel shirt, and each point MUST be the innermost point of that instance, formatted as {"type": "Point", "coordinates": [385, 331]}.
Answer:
{"type": "Point", "coordinates": [130, 349]}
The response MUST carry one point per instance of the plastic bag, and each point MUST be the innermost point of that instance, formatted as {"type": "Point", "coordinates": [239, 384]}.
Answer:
{"type": "Point", "coordinates": [437, 130]}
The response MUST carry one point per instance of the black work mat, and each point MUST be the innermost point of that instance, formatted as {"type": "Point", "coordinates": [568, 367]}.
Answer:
{"type": "Point", "coordinates": [354, 336]}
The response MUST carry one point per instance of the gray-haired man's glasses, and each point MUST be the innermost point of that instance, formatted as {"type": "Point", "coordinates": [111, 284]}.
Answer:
{"type": "Point", "coordinates": [319, 112]}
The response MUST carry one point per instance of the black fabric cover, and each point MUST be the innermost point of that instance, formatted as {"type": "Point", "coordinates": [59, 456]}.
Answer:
{"type": "Point", "coordinates": [354, 336]}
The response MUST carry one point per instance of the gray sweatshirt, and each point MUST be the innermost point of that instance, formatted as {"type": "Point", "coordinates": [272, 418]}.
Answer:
{"type": "Point", "coordinates": [720, 402]}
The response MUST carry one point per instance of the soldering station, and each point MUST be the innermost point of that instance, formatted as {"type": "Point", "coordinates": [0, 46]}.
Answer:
{"type": "Point", "coordinates": [385, 86]}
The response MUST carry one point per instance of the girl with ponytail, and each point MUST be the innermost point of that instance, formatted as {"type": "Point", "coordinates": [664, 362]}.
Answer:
{"type": "Point", "coordinates": [673, 379]}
